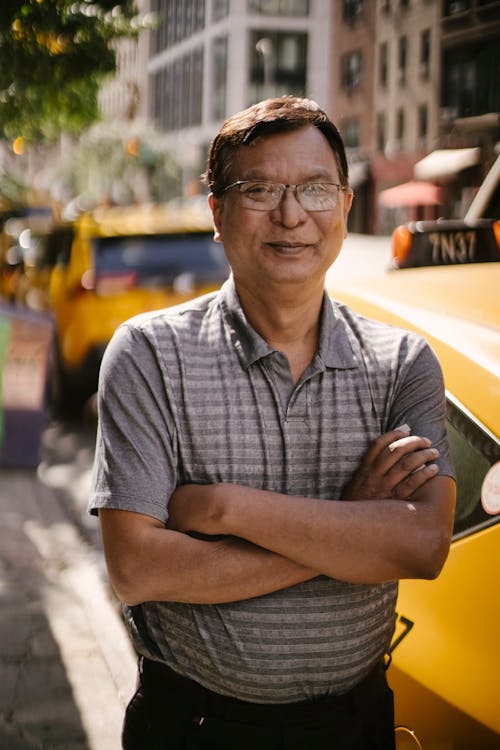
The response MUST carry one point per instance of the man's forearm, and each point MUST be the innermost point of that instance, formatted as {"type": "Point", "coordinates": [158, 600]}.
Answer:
{"type": "Point", "coordinates": [394, 519]}
{"type": "Point", "coordinates": [147, 562]}
{"type": "Point", "coordinates": [359, 541]}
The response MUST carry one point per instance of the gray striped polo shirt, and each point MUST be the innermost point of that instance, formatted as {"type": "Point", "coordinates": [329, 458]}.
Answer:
{"type": "Point", "coordinates": [194, 394]}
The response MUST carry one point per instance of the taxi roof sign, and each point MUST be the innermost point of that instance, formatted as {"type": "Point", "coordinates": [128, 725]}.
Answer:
{"type": "Point", "coordinates": [445, 242]}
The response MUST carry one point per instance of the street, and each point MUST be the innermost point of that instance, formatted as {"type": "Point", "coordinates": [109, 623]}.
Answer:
{"type": "Point", "coordinates": [67, 665]}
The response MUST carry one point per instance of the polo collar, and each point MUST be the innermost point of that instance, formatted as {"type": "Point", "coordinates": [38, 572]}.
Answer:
{"type": "Point", "coordinates": [335, 348]}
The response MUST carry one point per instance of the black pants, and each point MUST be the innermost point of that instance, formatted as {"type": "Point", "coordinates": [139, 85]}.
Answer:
{"type": "Point", "coordinates": [169, 712]}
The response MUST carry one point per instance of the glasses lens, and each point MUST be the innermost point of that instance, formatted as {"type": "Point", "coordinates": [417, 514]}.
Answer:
{"type": "Point", "coordinates": [261, 195]}
{"type": "Point", "coordinates": [266, 196]}
{"type": "Point", "coordinates": [317, 196]}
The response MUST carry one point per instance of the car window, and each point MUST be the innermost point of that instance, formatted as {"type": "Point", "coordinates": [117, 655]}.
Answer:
{"type": "Point", "coordinates": [474, 449]}
{"type": "Point", "coordinates": [58, 246]}
{"type": "Point", "coordinates": [161, 258]}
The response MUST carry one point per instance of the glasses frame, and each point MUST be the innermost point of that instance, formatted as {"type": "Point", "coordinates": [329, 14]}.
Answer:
{"type": "Point", "coordinates": [283, 188]}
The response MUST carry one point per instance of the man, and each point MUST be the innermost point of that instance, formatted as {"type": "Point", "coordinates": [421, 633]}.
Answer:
{"type": "Point", "coordinates": [258, 488]}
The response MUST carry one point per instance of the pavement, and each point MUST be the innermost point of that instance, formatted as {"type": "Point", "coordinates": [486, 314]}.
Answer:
{"type": "Point", "coordinates": [67, 667]}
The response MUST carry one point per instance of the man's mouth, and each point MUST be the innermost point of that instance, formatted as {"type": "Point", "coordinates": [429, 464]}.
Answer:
{"type": "Point", "coordinates": [288, 248]}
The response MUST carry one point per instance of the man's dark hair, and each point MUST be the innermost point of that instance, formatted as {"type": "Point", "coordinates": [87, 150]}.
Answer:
{"type": "Point", "coordinates": [280, 115]}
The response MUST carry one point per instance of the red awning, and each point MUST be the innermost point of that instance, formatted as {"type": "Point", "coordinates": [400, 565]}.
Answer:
{"type": "Point", "coordinates": [413, 193]}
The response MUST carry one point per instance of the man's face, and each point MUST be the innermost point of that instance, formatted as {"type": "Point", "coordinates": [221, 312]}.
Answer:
{"type": "Point", "coordinates": [287, 245]}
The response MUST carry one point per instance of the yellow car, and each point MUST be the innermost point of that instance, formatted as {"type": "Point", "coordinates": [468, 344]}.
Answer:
{"type": "Point", "coordinates": [27, 256]}
{"type": "Point", "coordinates": [445, 668]}
{"type": "Point", "coordinates": [120, 262]}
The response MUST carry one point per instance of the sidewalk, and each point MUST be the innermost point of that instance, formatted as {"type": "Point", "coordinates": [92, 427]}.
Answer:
{"type": "Point", "coordinates": [67, 667]}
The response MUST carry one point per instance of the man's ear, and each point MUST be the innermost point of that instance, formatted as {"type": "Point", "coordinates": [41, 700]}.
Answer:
{"type": "Point", "coordinates": [216, 208]}
{"type": "Point", "coordinates": [348, 198]}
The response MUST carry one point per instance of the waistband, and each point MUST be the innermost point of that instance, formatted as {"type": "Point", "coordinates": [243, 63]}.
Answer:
{"type": "Point", "coordinates": [162, 684]}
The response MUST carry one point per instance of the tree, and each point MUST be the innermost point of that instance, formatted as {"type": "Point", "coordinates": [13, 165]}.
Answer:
{"type": "Point", "coordinates": [116, 163]}
{"type": "Point", "coordinates": [53, 56]}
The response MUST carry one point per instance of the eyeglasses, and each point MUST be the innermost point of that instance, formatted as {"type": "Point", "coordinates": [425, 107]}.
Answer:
{"type": "Point", "coordinates": [262, 195]}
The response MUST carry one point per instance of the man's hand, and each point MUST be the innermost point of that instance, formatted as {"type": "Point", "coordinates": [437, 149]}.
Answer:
{"type": "Point", "coordinates": [395, 465]}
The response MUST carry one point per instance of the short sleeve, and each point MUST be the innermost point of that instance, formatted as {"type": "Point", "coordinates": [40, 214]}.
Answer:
{"type": "Point", "coordinates": [135, 460]}
{"type": "Point", "coordinates": [419, 401]}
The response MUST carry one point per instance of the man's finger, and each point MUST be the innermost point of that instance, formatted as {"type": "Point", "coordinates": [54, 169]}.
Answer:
{"type": "Point", "coordinates": [380, 444]}
{"type": "Point", "coordinates": [412, 482]}
{"type": "Point", "coordinates": [410, 463]}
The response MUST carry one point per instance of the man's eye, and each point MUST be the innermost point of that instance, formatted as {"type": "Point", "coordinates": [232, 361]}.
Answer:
{"type": "Point", "coordinates": [258, 189]}
{"type": "Point", "coordinates": [316, 189]}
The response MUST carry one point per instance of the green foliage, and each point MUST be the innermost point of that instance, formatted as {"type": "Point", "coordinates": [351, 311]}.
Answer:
{"type": "Point", "coordinates": [119, 163]}
{"type": "Point", "coordinates": [53, 56]}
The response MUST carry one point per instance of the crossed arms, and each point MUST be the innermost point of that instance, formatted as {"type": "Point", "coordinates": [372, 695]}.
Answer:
{"type": "Point", "coordinates": [393, 521]}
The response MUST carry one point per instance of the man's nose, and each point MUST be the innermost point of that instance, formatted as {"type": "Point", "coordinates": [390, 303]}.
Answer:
{"type": "Point", "coordinates": [289, 212]}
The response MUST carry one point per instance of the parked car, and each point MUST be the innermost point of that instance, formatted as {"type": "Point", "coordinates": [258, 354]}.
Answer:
{"type": "Point", "coordinates": [473, 239]}
{"type": "Point", "coordinates": [445, 655]}
{"type": "Point", "coordinates": [116, 263]}
{"type": "Point", "coordinates": [27, 256]}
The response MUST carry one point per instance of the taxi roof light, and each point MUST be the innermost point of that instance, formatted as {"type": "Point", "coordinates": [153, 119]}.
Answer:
{"type": "Point", "coordinates": [496, 232]}
{"type": "Point", "coordinates": [401, 244]}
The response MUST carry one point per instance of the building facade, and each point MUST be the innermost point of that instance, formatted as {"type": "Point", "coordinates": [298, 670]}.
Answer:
{"type": "Point", "coordinates": [409, 79]}
{"type": "Point", "coordinates": [402, 79]}
{"type": "Point", "coordinates": [210, 58]}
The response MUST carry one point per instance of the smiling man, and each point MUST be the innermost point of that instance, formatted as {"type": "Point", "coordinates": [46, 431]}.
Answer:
{"type": "Point", "coordinates": [258, 487]}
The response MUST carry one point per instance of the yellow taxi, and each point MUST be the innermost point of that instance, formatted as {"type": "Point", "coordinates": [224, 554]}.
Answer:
{"type": "Point", "coordinates": [445, 657]}
{"type": "Point", "coordinates": [27, 256]}
{"type": "Point", "coordinates": [119, 262]}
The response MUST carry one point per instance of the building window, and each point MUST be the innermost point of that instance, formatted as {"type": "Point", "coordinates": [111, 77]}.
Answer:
{"type": "Point", "coordinates": [178, 92]}
{"type": "Point", "coordinates": [470, 79]}
{"type": "Point", "coordinates": [425, 53]}
{"type": "Point", "coordinates": [351, 9]}
{"type": "Point", "coordinates": [177, 20]}
{"type": "Point", "coordinates": [451, 7]}
{"type": "Point", "coordinates": [279, 7]}
{"type": "Point", "coordinates": [220, 9]}
{"type": "Point", "coordinates": [219, 71]}
{"type": "Point", "coordinates": [402, 59]}
{"type": "Point", "coordinates": [351, 68]}
{"type": "Point", "coordinates": [381, 131]}
{"type": "Point", "coordinates": [278, 63]}
{"type": "Point", "coordinates": [383, 70]}
{"type": "Point", "coordinates": [351, 132]}
{"type": "Point", "coordinates": [400, 127]}
{"type": "Point", "coordinates": [423, 126]}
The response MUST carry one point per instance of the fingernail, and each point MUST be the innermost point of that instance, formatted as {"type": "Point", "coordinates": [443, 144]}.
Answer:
{"type": "Point", "coordinates": [404, 428]}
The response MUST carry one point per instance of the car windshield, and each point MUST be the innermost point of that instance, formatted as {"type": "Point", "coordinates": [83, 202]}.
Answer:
{"type": "Point", "coordinates": [161, 258]}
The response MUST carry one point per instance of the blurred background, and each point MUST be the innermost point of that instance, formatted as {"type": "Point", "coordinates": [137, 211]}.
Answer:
{"type": "Point", "coordinates": [106, 102]}
{"type": "Point", "coordinates": [107, 110]}
{"type": "Point", "coordinates": [106, 113]}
